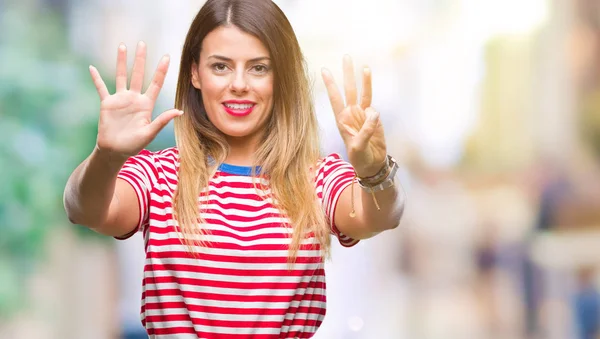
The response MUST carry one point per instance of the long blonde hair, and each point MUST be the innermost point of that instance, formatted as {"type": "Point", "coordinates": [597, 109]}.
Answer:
{"type": "Point", "coordinates": [289, 151]}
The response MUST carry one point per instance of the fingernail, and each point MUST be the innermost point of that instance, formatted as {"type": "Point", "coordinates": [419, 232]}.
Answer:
{"type": "Point", "coordinates": [180, 112]}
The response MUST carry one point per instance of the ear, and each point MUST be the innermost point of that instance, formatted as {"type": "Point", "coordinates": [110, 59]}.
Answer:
{"type": "Point", "coordinates": [195, 76]}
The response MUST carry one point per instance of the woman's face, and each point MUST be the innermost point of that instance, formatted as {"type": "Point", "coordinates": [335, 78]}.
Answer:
{"type": "Point", "coordinates": [235, 76]}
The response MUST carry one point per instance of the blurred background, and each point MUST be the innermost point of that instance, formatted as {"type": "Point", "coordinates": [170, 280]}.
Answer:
{"type": "Point", "coordinates": [491, 106]}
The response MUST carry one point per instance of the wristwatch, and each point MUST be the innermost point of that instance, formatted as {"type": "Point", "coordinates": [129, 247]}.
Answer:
{"type": "Point", "coordinates": [386, 183]}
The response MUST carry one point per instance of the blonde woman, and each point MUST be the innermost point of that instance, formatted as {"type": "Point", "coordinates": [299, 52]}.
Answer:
{"type": "Point", "coordinates": [237, 217]}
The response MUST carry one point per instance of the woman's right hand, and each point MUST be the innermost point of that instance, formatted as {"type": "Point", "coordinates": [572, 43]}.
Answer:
{"type": "Point", "coordinates": [125, 126]}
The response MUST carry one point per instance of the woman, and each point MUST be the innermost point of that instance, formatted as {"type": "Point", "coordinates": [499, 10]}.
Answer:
{"type": "Point", "coordinates": [237, 217]}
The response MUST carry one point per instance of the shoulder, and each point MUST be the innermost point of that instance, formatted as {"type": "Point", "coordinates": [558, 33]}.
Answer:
{"type": "Point", "coordinates": [332, 168]}
{"type": "Point", "coordinates": [154, 162]}
{"type": "Point", "coordinates": [331, 162]}
{"type": "Point", "coordinates": [332, 157]}
{"type": "Point", "coordinates": [170, 155]}
{"type": "Point", "coordinates": [167, 155]}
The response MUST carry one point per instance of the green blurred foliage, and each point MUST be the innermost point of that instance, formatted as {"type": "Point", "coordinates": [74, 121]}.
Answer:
{"type": "Point", "coordinates": [48, 124]}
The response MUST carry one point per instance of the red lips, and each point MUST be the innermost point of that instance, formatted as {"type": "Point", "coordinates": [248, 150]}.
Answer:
{"type": "Point", "coordinates": [239, 108]}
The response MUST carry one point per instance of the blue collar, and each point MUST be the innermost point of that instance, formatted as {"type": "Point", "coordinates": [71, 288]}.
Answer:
{"type": "Point", "coordinates": [238, 170]}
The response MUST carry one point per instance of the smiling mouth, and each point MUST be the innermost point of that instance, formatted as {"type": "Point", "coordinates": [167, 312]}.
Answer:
{"type": "Point", "coordinates": [238, 110]}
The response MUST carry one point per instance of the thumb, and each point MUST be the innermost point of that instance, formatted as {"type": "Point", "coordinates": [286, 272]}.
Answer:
{"type": "Point", "coordinates": [368, 128]}
{"type": "Point", "coordinates": [162, 120]}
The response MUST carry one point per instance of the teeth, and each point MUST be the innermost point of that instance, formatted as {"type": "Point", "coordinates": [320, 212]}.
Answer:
{"type": "Point", "coordinates": [239, 106]}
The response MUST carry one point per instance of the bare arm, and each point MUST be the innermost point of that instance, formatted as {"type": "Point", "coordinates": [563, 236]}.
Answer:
{"type": "Point", "coordinates": [363, 135]}
{"type": "Point", "coordinates": [95, 198]}
{"type": "Point", "coordinates": [369, 221]}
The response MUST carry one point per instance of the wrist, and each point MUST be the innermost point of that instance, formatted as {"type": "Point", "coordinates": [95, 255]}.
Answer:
{"type": "Point", "coordinates": [383, 179]}
{"type": "Point", "coordinates": [108, 157]}
{"type": "Point", "coordinates": [374, 173]}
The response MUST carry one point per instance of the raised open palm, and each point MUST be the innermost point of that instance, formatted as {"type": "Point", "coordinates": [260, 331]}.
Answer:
{"type": "Point", "coordinates": [358, 123]}
{"type": "Point", "coordinates": [125, 126]}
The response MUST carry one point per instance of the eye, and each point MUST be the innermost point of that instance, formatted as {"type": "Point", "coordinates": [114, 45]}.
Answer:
{"type": "Point", "coordinates": [260, 69]}
{"type": "Point", "coordinates": [219, 67]}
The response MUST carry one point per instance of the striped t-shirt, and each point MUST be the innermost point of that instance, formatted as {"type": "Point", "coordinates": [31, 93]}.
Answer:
{"type": "Point", "coordinates": [239, 286]}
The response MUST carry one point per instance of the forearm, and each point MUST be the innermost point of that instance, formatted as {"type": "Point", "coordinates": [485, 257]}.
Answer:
{"type": "Point", "coordinates": [90, 189]}
{"type": "Point", "coordinates": [363, 212]}
{"type": "Point", "coordinates": [391, 207]}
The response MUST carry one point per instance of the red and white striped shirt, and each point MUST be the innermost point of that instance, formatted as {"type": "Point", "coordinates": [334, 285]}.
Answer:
{"type": "Point", "coordinates": [240, 285]}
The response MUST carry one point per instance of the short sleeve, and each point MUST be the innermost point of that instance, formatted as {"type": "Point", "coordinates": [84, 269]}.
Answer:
{"type": "Point", "coordinates": [334, 175]}
{"type": "Point", "coordinates": [140, 172]}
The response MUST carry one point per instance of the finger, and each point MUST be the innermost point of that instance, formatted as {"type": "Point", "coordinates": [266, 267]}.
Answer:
{"type": "Point", "coordinates": [139, 66]}
{"type": "Point", "coordinates": [158, 79]}
{"type": "Point", "coordinates": [335, 97]}
{"type": "Point", "coordinates": [162, 120]}
{"type": "Point", "coordinates": [99, 83]}
{"type": "Point", "coordinates": [122, 68]}
{"type": "Point", "coordinates": [368, 129]}
{"type": "Point", "coordinates": [349, 81]}
{"type": "Point", "coordinates": [350, 130]}
{"type": "Point", "coordinates": [365, 100]}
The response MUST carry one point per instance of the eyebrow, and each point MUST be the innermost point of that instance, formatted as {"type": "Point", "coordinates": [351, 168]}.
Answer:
{"type": "Point", "coordinates": [220, 57]}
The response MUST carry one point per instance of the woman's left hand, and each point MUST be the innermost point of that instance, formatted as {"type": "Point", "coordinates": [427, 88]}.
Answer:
{"type": "Point", "coordinates": [358, 123]}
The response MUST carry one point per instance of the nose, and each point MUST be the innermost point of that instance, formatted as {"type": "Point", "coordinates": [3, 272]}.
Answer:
{"type": "Point", "coordinates": [238, 83]}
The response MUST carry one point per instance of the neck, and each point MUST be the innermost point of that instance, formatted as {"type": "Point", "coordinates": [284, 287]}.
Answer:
{"type": "Point", "coordinates": [242, 150]}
